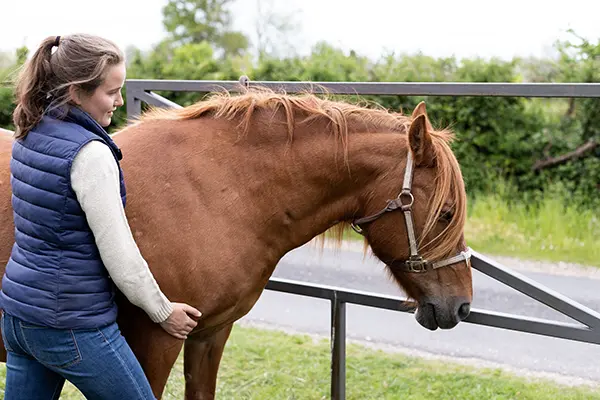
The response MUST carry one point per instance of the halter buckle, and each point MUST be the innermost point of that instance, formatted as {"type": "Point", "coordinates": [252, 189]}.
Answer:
{"type": "Point", "coordinates": [416, 264]}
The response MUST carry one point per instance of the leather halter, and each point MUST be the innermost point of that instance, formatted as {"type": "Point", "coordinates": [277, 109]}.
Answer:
{"type": "Point", "coordinates": [404, 202]}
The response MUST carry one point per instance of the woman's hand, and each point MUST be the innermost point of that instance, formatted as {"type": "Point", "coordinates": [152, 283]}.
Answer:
{"type": "Point", "coordinates": [180, 324]}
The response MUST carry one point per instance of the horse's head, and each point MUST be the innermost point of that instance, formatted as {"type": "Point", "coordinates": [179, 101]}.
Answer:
{"type": "Point", "coordinates": [419, 235]}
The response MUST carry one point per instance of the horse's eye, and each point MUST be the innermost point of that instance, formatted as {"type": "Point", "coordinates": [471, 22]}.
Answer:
{"type": "Point", "coordinates": [447, 215]}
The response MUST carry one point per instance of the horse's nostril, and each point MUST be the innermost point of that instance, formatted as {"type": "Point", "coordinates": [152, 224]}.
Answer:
{"type": "Point", "coordinates": [464, 310]}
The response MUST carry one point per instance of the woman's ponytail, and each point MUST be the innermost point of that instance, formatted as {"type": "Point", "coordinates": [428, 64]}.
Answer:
{"type": "Point", "coordinates": [33, 89]}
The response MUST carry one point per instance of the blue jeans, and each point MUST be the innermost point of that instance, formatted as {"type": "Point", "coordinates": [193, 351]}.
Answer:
{"type": "Point", "coordinates": [98, 362]}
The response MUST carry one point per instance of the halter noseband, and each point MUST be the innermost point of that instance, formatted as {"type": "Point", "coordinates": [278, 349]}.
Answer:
{"type": "Point", "coordinates": [404, 202]}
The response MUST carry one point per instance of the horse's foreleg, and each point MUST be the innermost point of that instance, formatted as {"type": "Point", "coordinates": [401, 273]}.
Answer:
{"type": "Point", "coordinates": [158, 361]}
{"type": "Point", "coordinates": [201, 359]}
{"type": "Point", "coordinates": [155, 349]}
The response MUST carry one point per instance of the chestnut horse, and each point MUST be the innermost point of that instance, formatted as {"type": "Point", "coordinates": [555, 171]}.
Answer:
{"type": "Point", "coordinates": [219, 191]}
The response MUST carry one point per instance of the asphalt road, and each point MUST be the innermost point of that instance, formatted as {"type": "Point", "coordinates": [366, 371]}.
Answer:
{"type": "Point", "coordinates": [522, 352]}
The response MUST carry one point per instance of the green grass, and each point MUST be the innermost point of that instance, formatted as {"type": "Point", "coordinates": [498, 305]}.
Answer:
{"type": "Point", "coordinates": [547, 231]}
{"type": "Point", "coordinates": [261, 364]}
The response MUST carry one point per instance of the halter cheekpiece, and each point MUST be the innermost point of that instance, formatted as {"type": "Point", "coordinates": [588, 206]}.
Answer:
{"type": "Point", "coordinates": [404, 203]}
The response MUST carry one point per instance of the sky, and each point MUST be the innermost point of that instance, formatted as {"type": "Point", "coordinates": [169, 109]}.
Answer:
{"type": "Point", "coordinates": [463, 28]}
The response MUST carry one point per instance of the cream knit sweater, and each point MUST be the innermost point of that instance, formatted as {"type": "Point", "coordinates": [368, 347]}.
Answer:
{"type": "Point", "coordinates": [95, 180]}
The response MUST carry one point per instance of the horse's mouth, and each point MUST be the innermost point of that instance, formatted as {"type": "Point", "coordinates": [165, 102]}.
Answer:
{"type": "Point", "coordinates": [427, 316]}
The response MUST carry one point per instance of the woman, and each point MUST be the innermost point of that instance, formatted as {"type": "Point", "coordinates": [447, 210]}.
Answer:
{"type": "Point", "coordinates": [72, 239]}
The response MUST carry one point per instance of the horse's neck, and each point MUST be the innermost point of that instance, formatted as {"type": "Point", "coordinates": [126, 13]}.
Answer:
{"type": "Point", "coordinates": [275, 195]}
{"type": "Point", "coordinates": [305, 189]}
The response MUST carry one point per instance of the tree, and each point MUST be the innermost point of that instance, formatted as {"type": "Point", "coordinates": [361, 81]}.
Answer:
{"type": "Point", "coordinates": [9, 68]}
{"type": "Point", "coordinates": [22, 54]}
{"type": "Point", "coordinates": [273, 30]}
{"type": "Point", "coordinates": [6, 60]}
{"type": "Point", "coordinates": [197, 21]}
{"type": "Point", "coordinates": [579, 62]}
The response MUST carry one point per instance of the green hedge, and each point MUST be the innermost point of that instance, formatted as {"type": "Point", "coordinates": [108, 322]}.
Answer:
{"type": "Point", "coordinates": [497, 138]}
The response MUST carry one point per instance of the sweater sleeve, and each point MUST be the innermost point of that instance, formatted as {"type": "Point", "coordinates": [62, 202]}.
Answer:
{"type": "Point", "coordinates": [95, 181]}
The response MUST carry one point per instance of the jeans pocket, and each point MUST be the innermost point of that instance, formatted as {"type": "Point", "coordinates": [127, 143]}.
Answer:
{"type": "Point", "coordinates": [51, 347]}
{"type": "Point", "coordinates": [3, 327]}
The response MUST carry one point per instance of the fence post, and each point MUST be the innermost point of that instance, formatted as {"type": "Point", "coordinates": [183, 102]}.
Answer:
{"type": "Point", "coordinates": [134, 104]}
{"type": "Point", "coordinates": [338, 348]}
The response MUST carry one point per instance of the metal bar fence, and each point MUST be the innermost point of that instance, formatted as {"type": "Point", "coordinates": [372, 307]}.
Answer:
{"type": "Point", "coordinates": [380, 88]}
{"type": "Point", "coordinates": [589, 331]}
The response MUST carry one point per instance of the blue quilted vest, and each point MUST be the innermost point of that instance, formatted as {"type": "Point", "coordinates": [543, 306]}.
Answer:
{"type": "Point", "coordinates": [55, 276]}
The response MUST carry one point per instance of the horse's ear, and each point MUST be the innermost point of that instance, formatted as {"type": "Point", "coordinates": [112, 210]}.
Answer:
{"type": "Point", "coordinates": [421, 144]}
{"type": "Point", "coordinates": [421, 109]}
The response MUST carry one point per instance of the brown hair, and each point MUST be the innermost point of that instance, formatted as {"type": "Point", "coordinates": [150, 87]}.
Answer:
{"type": "Point", "coordinates": [80, 60]}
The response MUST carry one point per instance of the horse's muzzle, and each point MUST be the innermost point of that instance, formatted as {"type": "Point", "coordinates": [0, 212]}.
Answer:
{"type": "Point", "coordinates": [443, 315]}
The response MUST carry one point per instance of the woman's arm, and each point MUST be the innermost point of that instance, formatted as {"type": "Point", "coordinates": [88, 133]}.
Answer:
{"type": "Point", "coordinates": [95, 180]}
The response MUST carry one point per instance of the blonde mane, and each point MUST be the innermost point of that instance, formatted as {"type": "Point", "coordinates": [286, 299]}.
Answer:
{"type": "Point", "coordinates": [343, 118]}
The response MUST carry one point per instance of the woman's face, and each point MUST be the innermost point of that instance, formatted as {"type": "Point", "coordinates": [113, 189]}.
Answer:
{"type": "Point", "coordinates": [106, 98]}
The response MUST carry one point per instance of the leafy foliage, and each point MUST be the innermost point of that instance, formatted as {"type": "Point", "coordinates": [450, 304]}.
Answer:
{"type": "Point", "coordinates": [497, 139]}
{"type": "Point", "coordinates": [198, 21]}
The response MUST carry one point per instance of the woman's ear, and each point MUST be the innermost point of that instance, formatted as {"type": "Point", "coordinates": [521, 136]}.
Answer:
{"type": "Point", "coordinates": [75, 94]}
